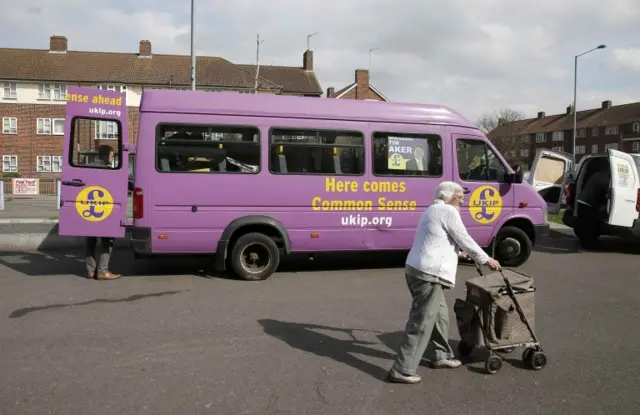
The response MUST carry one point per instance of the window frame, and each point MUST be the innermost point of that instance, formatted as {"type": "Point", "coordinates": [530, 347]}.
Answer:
{"type": "Point", "coordinates": [597, 147]}
{"type": "Point", "coordinates": [270, 144]}
{"type": "Point", "coordinates": [118, 151]}
{"type": "Point", "coordinates": [557, 136]}
{"type": "Point", "coordinates": [10, 157]}
{"type": "Point", "coordinates": [201, 125]}
{"type": "Point", "coordinates": [488, 144]}
{"type": "Point", "coordinates": [635, 146]}
{"type": "Point", "coordinates": [611, 130]}
{"type": "Point", "coordinates": [13, 87]}
{"type": "Point", "coordinates": [540, 138]}
{"type": "Point", "coordinates": [42, 158]}
{"type": "Point", "coordinates": [400, 134]}
{"type": "Point", "coordinates": [50, 126]}
{"type": "Point", "coordinates": [53, 86]}
{"type": "Point", "coordinates": [53, 123]}
{"type": "Point", "coordinates": [8, 132]}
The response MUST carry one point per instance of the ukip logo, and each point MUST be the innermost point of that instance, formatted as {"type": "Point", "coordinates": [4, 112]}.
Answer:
{"type": "Point", "coordinates": [94, 203]}
{"type": "Point", "coordinates": [485, 204]}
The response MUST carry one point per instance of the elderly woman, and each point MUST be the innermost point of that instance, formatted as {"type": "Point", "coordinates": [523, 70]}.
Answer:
{"type": "Point", "coordinates": [430, 269]}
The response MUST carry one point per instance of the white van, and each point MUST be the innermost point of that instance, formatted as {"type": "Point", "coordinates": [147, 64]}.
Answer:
{"type": "Point", "coordinates": [553, 175]}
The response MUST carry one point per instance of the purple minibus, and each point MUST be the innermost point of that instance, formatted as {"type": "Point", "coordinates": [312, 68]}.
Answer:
{"type": "Point", "coordinates": [249, 178]}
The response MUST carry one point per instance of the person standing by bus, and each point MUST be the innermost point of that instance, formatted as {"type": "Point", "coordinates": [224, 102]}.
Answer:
{"type": "Point", "coordinates": [98, 265]}
{"type": "Point", "coordinates": [430, 269]}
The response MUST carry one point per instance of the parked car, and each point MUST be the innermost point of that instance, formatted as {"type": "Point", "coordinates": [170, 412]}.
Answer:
{"type": "Point", "coordinates": [554, 176]}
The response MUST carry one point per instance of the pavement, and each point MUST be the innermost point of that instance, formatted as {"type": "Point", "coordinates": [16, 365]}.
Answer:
{"type": "Point", "coordinates": [316, 338]}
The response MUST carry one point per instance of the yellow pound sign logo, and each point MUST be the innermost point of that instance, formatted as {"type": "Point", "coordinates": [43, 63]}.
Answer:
{"type": "Point", "coordinates": [94, 203]}
{"type": "Point", "coordinates": [485, 204]}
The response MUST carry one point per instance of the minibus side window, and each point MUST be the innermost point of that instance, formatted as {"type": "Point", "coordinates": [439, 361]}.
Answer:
{"type": "Point", "coordinates": [217, 149]}
{"type": "Point", "coordinates": [311, 151]}
{"type": "Point", "coordinates": [95, 144]}
{"type": "Point", "coordinates": [478, 162]}
{"type": "Point", "coordinates": [401, 154]}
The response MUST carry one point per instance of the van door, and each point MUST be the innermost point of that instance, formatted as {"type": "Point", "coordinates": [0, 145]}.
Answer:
{"type": "Point", "coordinates": [548, 174]}
{"type": "Point", "coordinates": [94, 196]}
{"type": "Point", "coordinates": [624, 189]}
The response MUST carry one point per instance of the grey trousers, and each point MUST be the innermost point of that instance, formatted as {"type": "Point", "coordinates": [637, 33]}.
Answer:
{"type": "Point", "coordinates": [91, 252]}
{"type": "Point", "coordinates": [428, 325]}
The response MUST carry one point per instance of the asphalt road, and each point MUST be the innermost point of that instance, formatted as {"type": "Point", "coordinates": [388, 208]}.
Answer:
{"type": "Point", "coordinates": [313, 339]}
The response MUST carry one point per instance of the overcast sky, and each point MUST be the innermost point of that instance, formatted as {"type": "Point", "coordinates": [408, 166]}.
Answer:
{"type": "Point", "coordinates": [473, 55]}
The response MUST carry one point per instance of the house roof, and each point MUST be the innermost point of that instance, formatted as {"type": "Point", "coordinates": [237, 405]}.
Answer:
{"type": "Point", "coordinates": [130, 69]}
{"type": "Point", "coordinates": [348, 88]}
{"type": "Point", "coordinates": [614, 115]}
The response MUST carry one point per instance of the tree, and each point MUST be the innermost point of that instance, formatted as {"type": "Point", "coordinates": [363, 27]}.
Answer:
{"type": "Point", "coordinates": [503, 129]}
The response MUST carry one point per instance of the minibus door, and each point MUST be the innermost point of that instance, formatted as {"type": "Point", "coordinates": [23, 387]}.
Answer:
{"type": "Point", "coordinates": [94, 190]}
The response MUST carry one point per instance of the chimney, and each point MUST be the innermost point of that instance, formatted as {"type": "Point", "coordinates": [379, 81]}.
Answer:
{"type": "Point", "coordinates": [145, 49]}
{"type": "Point", "coordinates": [606, 104]}
{"type": "Point", "coordinates": [57, 44]}
{"type": "Point", "coordinates": [307, 60]}
{"type": "Point", "coordinates": [362, 84]}
{"type": "Point", "coordinates": [330, 91]}
{"type": "Point", "coordinates": [570, 109]}
{"type": "Point", "coordinates": [541, 115]}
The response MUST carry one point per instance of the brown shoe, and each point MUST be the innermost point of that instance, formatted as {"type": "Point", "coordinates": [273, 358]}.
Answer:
{"type": "Point", "coordinates": [107, 276]}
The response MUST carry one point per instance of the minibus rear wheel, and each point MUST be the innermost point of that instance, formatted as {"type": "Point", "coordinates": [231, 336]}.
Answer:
{"type": "Point", "coordinates": [513, 246]}
{"type": "Point", "coordinates": [254, 257]}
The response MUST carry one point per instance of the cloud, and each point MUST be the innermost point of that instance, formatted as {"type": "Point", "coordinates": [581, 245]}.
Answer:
{"type": "Point", "coordinates": [473, 56]}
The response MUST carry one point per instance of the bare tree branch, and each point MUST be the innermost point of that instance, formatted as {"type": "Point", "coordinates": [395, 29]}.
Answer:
{"type": "Point", "coordinates": [503, 130]}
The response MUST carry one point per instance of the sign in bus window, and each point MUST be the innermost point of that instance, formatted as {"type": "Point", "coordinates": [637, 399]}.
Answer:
{"type": "Point", "coordinates": [95, 144]}
{"type": "Point", "coordinates": [207, 149]}
{"type": "Point", "coordinates": [399, 154]}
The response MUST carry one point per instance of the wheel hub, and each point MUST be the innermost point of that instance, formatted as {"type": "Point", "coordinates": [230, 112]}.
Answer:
{"type": "Point", "coordinates": [510, 247]}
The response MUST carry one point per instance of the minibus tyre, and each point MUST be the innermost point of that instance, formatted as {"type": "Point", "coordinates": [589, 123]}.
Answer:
{"type": "Point", "coordinates": [519, 235]}
{"type": "Point", "coordinates": [265, 245]}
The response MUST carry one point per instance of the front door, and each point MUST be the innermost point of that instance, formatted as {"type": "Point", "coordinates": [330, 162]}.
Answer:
{"type": "Point", "coordinates": [483, 175]}
{"type": "Point", "coordinates": [95, 170]}
{"type": "Point", "coordinates": [624, 189]}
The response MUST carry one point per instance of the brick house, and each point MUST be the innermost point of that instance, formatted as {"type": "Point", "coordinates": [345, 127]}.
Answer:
{"type": "Point", "coordinates": [361, 89]}
{"type": "Point", "coordinates": [598, 129]}
{"type": "Point", "coordinates": [34, 83]}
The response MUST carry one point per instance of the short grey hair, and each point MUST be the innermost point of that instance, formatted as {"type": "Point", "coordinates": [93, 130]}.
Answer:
{"type": "Point", "coordinates": [447, 190]}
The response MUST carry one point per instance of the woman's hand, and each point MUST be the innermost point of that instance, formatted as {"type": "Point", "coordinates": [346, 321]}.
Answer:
{"type": "Point", "coordinates": [494, 265]}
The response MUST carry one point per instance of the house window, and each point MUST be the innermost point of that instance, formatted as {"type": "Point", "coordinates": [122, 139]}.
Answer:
{"type": "Point", "coordinates": [524, 152]}
{"type": "Point", "coordinates": [581, 149]}
{"type": "Point", "coordinates": [113, 87]}
{"type": "Point", "coordinates": [58, 126]}
{"type": "Point", "coordinates": [558, 136]}
{"type": "Point", "coordinates": [123, 89]}
{"type": "Point", "coordinates": [581, 132]}
{"type": "Point", "coordinates": [540, 138]}
{"type": "Point", "coordinates": [524, 139]}
{"type": "Point", "coordinates": [9, 164]}
{"type": "Point", "coordinates": [595, 131]}
{"type": "Point", "coordinates": [10, 90]}
{"type": "Point", "coordinates": [636, 127]}
{"type": "Point", "coordinates": [635, 146]}
{"type": "Point", "coordinates": [612, 146]}
{"type": "Point", "coordinates": [106, 130]}
{"type": "Point", "coordinates": [49, 164]}
{"type": "Point", "coordinates": [594, 148]}
{"type": "Point", "coordinates": [558, 148]}
{"type": "Point", "coordinates": [9, 125]}
{"type": "Point", "coordinates": [610, 130]}
{"type": "Point", "coordinates": [43, 126]}
{"type": "Point", "coordinates": [52, 91]}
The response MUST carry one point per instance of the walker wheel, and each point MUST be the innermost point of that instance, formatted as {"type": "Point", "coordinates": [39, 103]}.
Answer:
{"type": "Point", "coordinates": [493, 364]}
{"type": "Point", "coordinates": [464, 349]}
{"type": "Point", "coordinates": [526, 355]}
{"type": "Point", "coordinates": [537, 360]}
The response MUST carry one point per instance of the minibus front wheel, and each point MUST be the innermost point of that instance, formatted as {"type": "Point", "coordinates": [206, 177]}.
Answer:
{"type": "Point", "coordinates": [254, 257]}
{"type": "Point", "coordinates": [512, 246]}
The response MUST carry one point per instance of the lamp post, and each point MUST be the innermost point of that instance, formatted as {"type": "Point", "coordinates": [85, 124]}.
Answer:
{"type": "Point", "coordinates": [575, 94]}
{"type": "Point", "coordinates": [193, 46]}
{"type": "Point", "coordinates": [371, 50]}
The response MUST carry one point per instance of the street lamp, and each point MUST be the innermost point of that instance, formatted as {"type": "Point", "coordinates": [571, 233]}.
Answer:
{"type": "Point", "coordinates": [575, 93]}
{"type": "Point", "coordinates": [192, 75]}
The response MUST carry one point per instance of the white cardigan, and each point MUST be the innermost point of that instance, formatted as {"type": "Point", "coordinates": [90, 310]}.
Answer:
{"type": "Point", "coordinates": [439, 237]}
